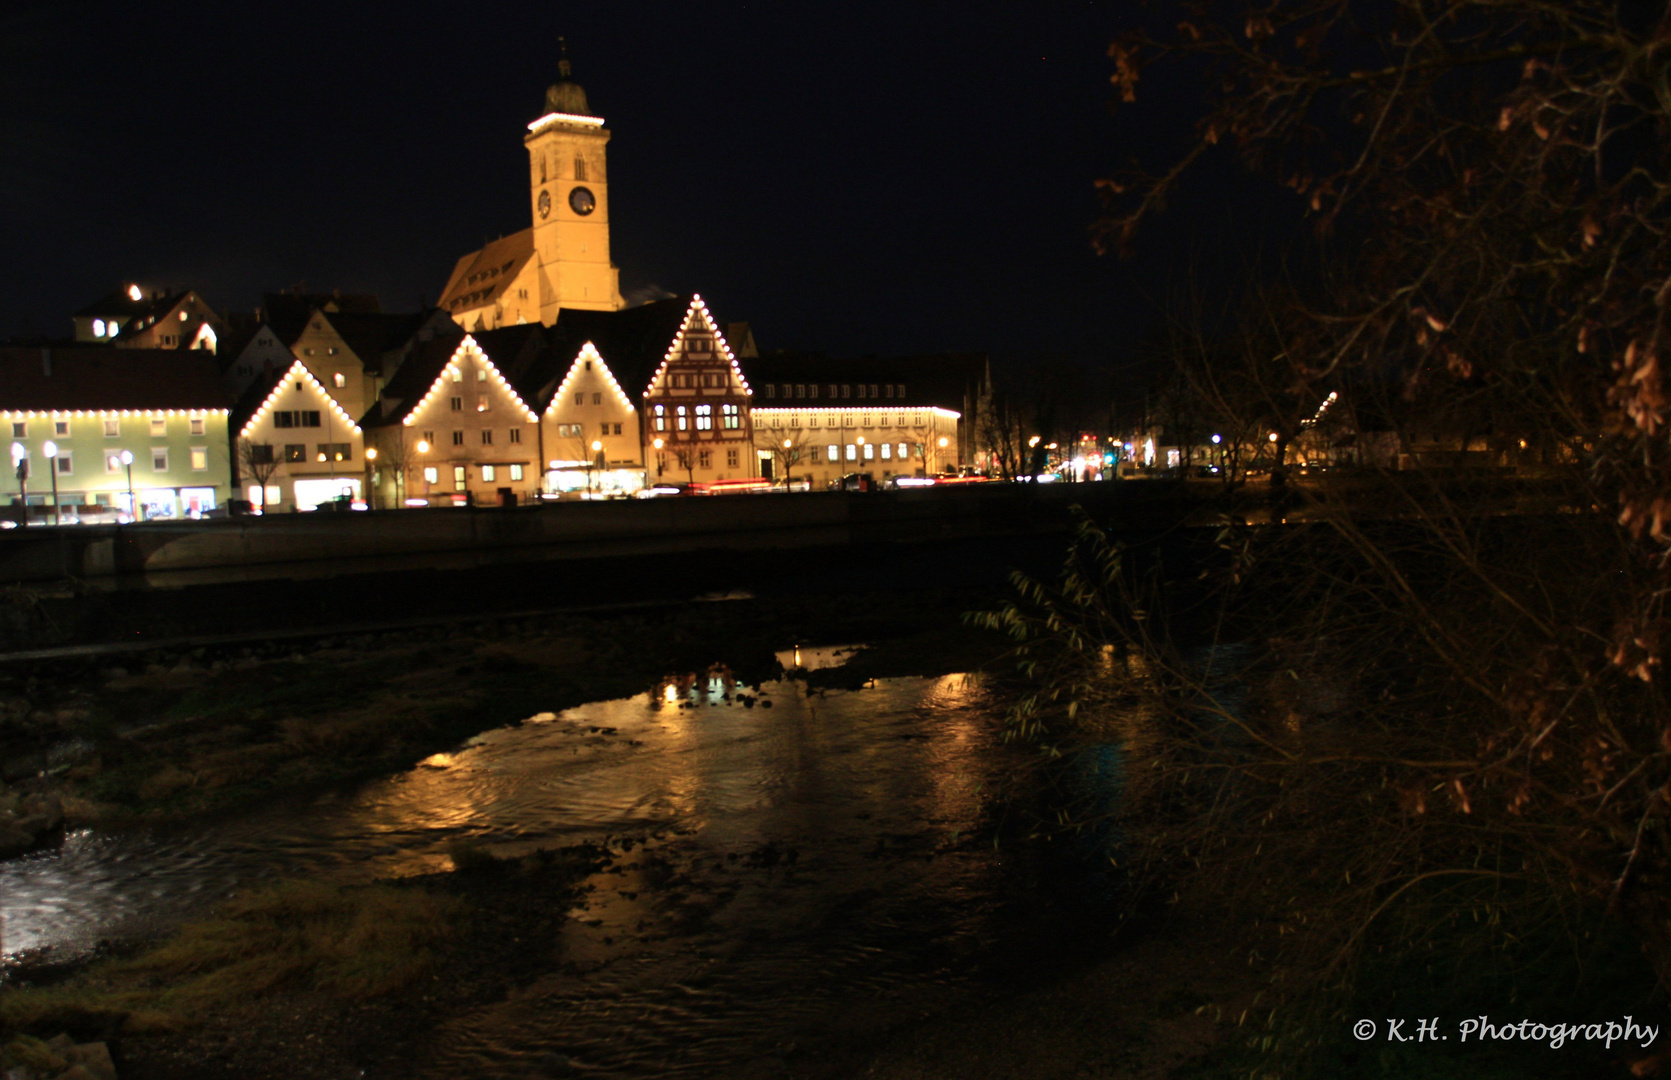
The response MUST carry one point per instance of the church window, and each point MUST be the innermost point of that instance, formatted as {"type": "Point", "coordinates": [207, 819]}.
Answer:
{"type": "Point", "coordinates": [579, 167]}
{"type": "Point", "coordinates": [516, 437]}
{"type": "Point", "coordinates": [661, 418]}
{"type": "Point", "coordinates": [679, 419]}
{"type": "Point", "coordinates": [487, 437]}
{"type": "Point", "coordinates": [731, 459]}
{"type": "Point", "coordinates": [458, 438]}
{"type": "Point", "coordinates": [704, 418]}
{"type": "Point", "coordinates": [456, 403]}
{"type": "Point", "coordinates": [730, 417]}
{"type": "Point", "coordinates": [705, 459]}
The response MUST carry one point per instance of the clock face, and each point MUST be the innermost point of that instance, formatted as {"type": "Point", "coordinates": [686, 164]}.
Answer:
{"type": "Point", "coordinates": [545, 203]}
{"type": "Point", "coordinates": [582, 202]}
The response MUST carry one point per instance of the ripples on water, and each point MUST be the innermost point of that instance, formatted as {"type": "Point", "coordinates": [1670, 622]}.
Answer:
{"type": "Point", "coordinates": [818, 848]}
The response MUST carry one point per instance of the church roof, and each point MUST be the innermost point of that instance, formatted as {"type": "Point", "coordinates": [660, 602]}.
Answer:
{"type": "Point", "coordinates": [97, 379]}
{"type": "Point", "coordinates": [482, 276]}
{"type": "Point", "coordinates": [566, 95]}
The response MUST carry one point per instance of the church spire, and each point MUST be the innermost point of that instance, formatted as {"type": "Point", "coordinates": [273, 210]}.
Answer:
{"type": "Point", "coordinates": [565, 95]}
{"type": "Point", "coordinates": [564, 71]}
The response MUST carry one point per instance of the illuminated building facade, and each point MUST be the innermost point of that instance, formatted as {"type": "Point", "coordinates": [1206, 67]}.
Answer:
{"type": "Point", "coordinates": [697, 407]}
{"type": "Point", "coordinates": [146, 421]}
{"type": "Point", "coordinates": [133, 317]}
{"type": "Point", "coordinates": [561, 261]}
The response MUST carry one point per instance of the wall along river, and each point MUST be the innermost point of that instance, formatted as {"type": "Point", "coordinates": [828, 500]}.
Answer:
{"type": "Point", "coordinates": [807, 867]}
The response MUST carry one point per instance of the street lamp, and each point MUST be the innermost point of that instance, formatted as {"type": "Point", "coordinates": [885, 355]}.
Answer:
{"type": "Point", "coordinates": [371, 459]}
{"type": "Point", "coordinates": [133, 508]}
{"type": "Point", "coordinates": [788, 444]}
{"type": "Point", "coordinates": [597, 456]}
{"type": "Point", "coordinates": [51, 450]}
{"type": "Point", "coordinates": [20, 462]}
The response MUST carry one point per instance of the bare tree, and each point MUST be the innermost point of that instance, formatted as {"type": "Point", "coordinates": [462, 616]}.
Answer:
{"type": "Point", "coordinates": [258, 462]}
{"type": "Point", "coordinates": [787, 446]}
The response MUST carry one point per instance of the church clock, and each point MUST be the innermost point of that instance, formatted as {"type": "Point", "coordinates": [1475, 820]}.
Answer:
{"type": "Point", "coordinates": [582, 202]}
{"type": "Point", "coordinates": [545, 204]}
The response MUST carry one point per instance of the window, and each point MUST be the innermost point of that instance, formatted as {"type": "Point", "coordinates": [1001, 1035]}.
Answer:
{"type": "Point", "coordinates": [294, 452]}
{"type": "Point", "coordinates": [516, 472]}
{"type": "Point", "coordinates": [813, 455]}
{"type": "Point", "coordinates": [847, 390]}
{"type": "Point", "coordinates": [113, 461]}
{"type": "Point", "coordinates": [852, 452]}
{"type": "Point", "coordinates": [483, 402]}
{"type": "Point", "coordinates": [488, 473]}
{"type": "Point", "coordinates": [429, 437]}
{"type": "Point", "coordinates": [605, 427]}
{"type": "Point", "coordinates": [899, 391]}
{"type": "Point", "coordinates": [870, 451]}
{"type": "Point", "coordinates": [731, 459]}
{"type": "Point", "coordinates": [329, 351]}
{"type": "Point", "coordinates": [731, 417]}
{"type": "Point", "coordinates": [661, 417]}
{"type": "Point", "coordinates": [887, 389]}
{"type": "Point", "coordinates": [456, 404]}
{"type": "Point", "coordinates": [597, 398]}
{"type": "Point", "coordinates": [579, 167]}
{"type": "Point", "coordinates": [887, 451]}
{"type": "Point", "coordinates": [812, 421]}
{"type": "Point", "coordinates": [98, 328]}
{"type": "Point", "coordinates": [811, 391]}
{"type": "Point", "coordinates": [580, 398]}
{"type": "Point", "coordinates": [293, 418]}
{"type": "Point", "coordinates": [882, 420]}
{"type": "Point", "coordinates": [835, 391]}
{"type": "Point", "coordinates": [339, 379]}
{"type": "Point", "coordinates": [704, 459]}
{"type": "Point", "coordinates": [679, 419]}
{"type": "Point", "coordinates": [61, 428]}
{"type": "Point", "coordinates": [159, 459]}
{"type": "Point", "coordinates": [261, 453]}
{"type": "Point", "coordinates": [457, 374]}
{"type": "Point", "coordinates": [481, 374]}
{"type": "Point", "coordinates": [458, 438]}
{"type": "Point", "coordinates": [432, 475]}
{"type": "Point", "coordinates": [904, 452]}
{"type": "Point", "coordinates": [861, 390]}
{"type": "Point", "coordinates": [771, 390]}
{"type": "Point", "coordinates": [458, 478]}
{"type": "Point", "coordinates": [197, 425]}
{"type": "Point", "coordinates": [20, 429]}
{"type": "Point", "coordinates": [487, 437]}
{"type": "Point", "coordinates": [864, 419]}
{"type": "Point", "coordinates": [199, 458]}
{"type": "Point", "coordinates": [704, 418]}
{"type": "Point", "coordinates": [339, 451]}
{"type": "Point", "coordinates": [835, 453]}
{"type": "Point", "coordinates": [65, 463]}
{"type": "Point", "coordinates": [159, 426]}
{"type": "Point", "coordinates": [516, 434]}
{"type": "Point", "coordinates": [873, 390]}
{"type": "Point", "coordinates": [617, 429]}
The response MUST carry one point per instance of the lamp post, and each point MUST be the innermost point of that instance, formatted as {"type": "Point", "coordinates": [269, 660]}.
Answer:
{"type": "Point", "coordinates": [941, 445]}
{"type": "Point", "coordinates": [371, 459]}
{"type": "Point", "coordinates": [133, 508]}
{"type": "Point", "coordinates": [51, 449]}
{"type": "Point", "coordinates": [788, 445]}
{"type": "Point", "coordinates": [661, 457]}
{"type": "Point", "coordinates": [591, 462]}
{"type": "Point", "coordinates": [20, 462]}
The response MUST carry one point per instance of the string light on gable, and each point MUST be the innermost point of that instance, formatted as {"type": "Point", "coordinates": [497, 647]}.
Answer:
{"type": "Point", "coordinates": [298, 370]}
{"type": "Point", "coordinates": [588, 353]}
{"type": "Point", "coordinates": [468, 350]}
{"type": "Point", "coordinates": [818, 410]}
{"type": "Point", "coordinates": [697, 307]}
{"type": "Point", "coordinates": [564, 118]}
{"type": "Point", "coordinates": [59, 414]}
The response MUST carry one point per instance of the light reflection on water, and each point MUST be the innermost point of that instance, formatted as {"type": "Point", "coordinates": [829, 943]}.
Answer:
{"type": "Point", "coordinates": [817, 835]}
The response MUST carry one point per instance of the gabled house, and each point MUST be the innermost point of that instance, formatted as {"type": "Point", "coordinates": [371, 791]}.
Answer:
{"type": "Point", "coordinates": [294, 446]}
{"type": "Point", "coordinates": [134, 318]}
{"type": "Point", "coordinates": [250, 351]}
{"type": "Point", "coordinates": [696, 406]}
{"type": "Point", "coordinates": [144, 431]}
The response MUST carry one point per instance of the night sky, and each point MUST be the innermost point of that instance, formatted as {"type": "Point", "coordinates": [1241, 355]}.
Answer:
{"type": "Point", "coordinates": [853, 178]}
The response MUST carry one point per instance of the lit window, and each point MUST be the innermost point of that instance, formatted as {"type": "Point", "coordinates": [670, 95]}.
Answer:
{"type": "Point", "coordinates": [113, 462]}
{"type": "Point", "coordinates": [481, 374]}
{"type": "Point", "coordinates": [704, 418]}
{"type": "Point", "coordinates": [482, 403]}
{"type": "Point", "coordinates": [887, 451]}
{"type": "Point", "coordinates": [199, 458]}
{"type": "Point", "coordinates": [516, 472]}
{"type": "Point", "coordinates": [458, 438]}
{"type": "Point", "coordinates": [902, 452]}
{"type": "Point", "coordinates": [516, 434]}
{"type": "Point", "coordinates": [339, 379]}
{"type": "Point", "coordinates": [458, 478]}
{"type": "Point", "coordinates": [870, 451]}
{"type": "Point", "coordinates": [730, 416]}
{"type": "Point", "coordinates": [159, 459]}
{"type": "Point", "coordinates": [294, 452]}
{"type": "Point", "coordinates": [661, 418]}
{"type": "Point", "coordinates": [159, 426]}
{"type": "Point", "coordinates": [835, 452]}
{"type": "Point", "coordinates": [680, 421]}
{"type": "Point", "coordinates": [432, 475]}
{"type": "Point", "coordinates": [488, 473]}
{"type": "Point", "coordinates": [60, 428]}
{"type": "Point", "coordinates": [182, 316]}
{"type": "Point", "coordinates": [197, 425]}
{"type": "Point", "coordinates": [457, 374]}
{"type": "Point", "coordinates": [852, 452]}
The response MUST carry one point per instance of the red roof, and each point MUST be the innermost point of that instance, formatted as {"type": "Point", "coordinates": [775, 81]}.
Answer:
{"type": "Point", "coordinates": [100, 378]}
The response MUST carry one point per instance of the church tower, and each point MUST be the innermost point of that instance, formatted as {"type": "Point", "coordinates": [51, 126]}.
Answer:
{"type": "Point", "coordinates": [568, 191]}
{"type": "Point", "coordinates": [562, 259]}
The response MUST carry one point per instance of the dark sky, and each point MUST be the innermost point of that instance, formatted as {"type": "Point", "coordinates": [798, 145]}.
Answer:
{"type": "Point", "coordinates": [855, 177]}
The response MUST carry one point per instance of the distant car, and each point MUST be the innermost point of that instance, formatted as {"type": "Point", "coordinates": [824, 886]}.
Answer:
{"type": "Point", "coordinates": [102, 515]}
{"type": "Point", "coordinates": [855, 481]}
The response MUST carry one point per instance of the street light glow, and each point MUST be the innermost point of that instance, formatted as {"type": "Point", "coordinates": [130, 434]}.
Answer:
{"type": "Point", "coordinates": [50, 448]}
{"type": "Point", "coordinates": [371, 453]}
{"type": "Point", "coordinates": [423, 446]}
{"type": "Point", "coordinates": [127, 457]}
